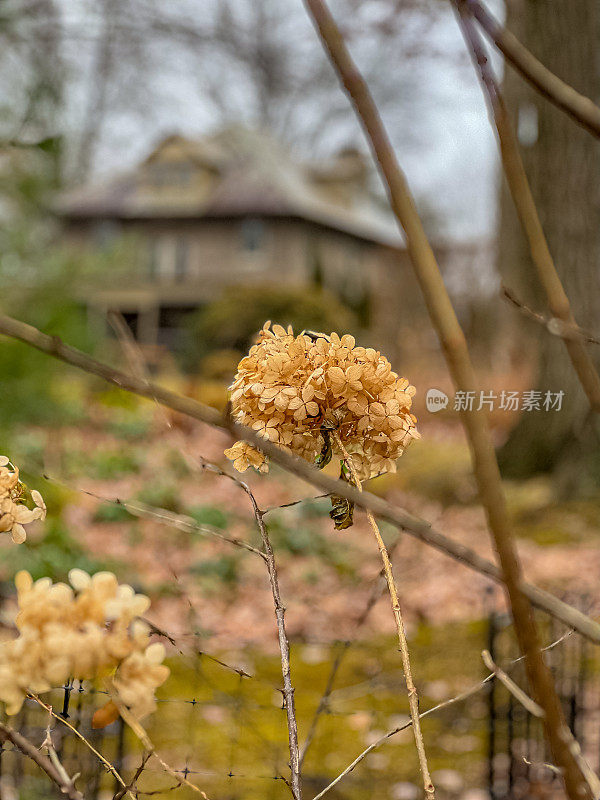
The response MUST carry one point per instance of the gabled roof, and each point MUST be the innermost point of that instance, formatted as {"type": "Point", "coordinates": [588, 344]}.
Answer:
{"type": "Point", "coordinates": [244, 173]}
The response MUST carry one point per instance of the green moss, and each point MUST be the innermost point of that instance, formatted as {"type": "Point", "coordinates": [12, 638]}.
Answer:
{"type": "Point", "coordinates": [216, 571]}
{"type": "Point", "coordinates": [237, 725]}
{"type": "Point", "coordinates": [110, 464]}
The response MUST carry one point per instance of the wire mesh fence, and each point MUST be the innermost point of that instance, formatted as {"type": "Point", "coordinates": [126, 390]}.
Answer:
{"type": "Point", "coordinates": [519, 761]}
{"type": "Point", "coordinates": [221, 725]}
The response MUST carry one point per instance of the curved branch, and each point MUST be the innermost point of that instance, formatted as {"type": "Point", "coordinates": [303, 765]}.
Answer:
{"type": "Point", "coordinates": [577, 106]}
{"type": "Point", "coordinates": [57, 775]}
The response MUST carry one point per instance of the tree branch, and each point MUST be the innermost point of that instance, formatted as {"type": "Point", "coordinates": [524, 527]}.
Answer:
{"type": "Point", "coordinates": [398, 517]}
{"type": "Point", "coordinates": [576, 105]}
{"type": "Point", "coordinates": [376, 593]}
{"type": "Point", "coordinates": [553, 325]}
{"type": "Point", "coordinates": [444, 704]}
{"type": "Point", "coordinates": [455, 350]}
{"type": "Point", "coordinates": [55, 772]}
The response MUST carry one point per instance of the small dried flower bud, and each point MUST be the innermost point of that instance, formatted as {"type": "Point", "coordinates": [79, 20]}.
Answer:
{"type": "Point", "coordinates": [87, 629]}
{"type": "Point", "coordinates": [14, 513]}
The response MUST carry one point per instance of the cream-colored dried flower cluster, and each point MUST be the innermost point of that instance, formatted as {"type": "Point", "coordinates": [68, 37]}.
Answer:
{"type": "Point", "coordinates": [86, 630]}
{"type": "Point", "coordinates": [13, 511]}
{"type": "Point", "coordinates": [292, 390]}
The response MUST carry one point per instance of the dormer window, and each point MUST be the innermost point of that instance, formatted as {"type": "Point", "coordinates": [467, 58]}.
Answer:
{"type": "Point", "coordinates": [252, 234]}
{"type": "Point", "coordinates": [170, 174]}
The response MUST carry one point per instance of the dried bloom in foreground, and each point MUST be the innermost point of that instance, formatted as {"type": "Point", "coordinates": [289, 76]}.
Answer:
{"type": "Point", "coordinates": [296, 390]}
{"type": "Point", "coordinates": [86, 630]}
{"type": "Point", "coordinates": [14, 513]}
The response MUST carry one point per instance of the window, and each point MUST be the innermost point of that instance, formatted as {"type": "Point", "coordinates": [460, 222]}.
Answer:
{"type": "Point", "coordinates": [252, 234]}
{"type": "Point", "coordinates": [181, 258]}
{"type": "Point", "coordinates": [153, 259]}
{"type": "Point", "coordinates": [105, 233]}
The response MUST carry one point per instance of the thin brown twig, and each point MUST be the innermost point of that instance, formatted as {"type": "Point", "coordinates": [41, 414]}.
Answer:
{"type": "Point", "coordinates": [53, 768]}
{"type": "Point", "coordinates": [528, 704]}
{"type": "Point", "coordinates": [142, 735]}
{"type": "Point", "coordinates": [284, 646]}
{"type": "Point", "coordinates": [520, 190]}
{"type": "Point", "coordinates": [118, 795]}
{"type": "Point", "coordinates": [454, 346]}
{"type": "Point", "coordinates": [413, 697]}
{"type": "Point", "coordinates": [80, 736]}
{"type": "Point", "coordinates": [138, 365]}
{"type": "Point", "coordinates": [396, 516]}
{"type": "Point", "coordinates": [565, 97]}
{"type": "Point", "coordinates": [553, 325]}
{"type": "Point", "coordinates": [179, 521]}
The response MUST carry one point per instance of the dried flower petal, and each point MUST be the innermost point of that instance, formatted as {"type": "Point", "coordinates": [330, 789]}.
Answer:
{"type": "Point", "coordinates": [85, 631]}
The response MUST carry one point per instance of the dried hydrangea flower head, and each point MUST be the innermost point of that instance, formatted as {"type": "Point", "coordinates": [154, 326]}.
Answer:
{"type": "Point", "coordinates": [14, 513]}
{"type": "Point", "coordinates": [295, 390]}
{"type": "Point", "coordinates": [87, 629]}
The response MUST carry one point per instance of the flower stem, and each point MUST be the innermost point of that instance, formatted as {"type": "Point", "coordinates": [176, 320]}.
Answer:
{"type": "Point", "coordinates": [413, 697]}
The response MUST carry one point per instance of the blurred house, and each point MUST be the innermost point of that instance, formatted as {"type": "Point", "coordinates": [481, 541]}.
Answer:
{"type": "Point", "coordinates": [234, 208]}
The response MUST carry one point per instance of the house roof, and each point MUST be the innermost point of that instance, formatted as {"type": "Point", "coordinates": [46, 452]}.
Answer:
{"type": "Point", "coordinates": [240, 172]}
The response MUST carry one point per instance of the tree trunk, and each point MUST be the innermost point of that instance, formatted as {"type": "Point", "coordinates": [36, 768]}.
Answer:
{"type": "Point", "coordinates": [563, 165]}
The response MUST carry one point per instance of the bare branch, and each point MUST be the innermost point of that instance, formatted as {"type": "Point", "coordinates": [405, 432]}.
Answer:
{"type": "Point", "coordinates": [376, 593]}
{"type": "Point", "coordinates": [398, 517]}
{"type": "Point", "coordinates": [451, 701]}
{"type": "Point", "coordinates": [553, 325]}
{"type": "Point", "coordinates": [576, 105]}
{"type": "Point", "coordinates": [530, 705]}
{"type": "Point", "coordinates": [118, 795]}
{"type": "Point", "coordinates": [284, 645]}
{"type": "Point", "coordinates": [53, 768]}
{"type": "Point", "coordinates": [80, 736]}
{"type": "Point", "coordinates": [179, 521]}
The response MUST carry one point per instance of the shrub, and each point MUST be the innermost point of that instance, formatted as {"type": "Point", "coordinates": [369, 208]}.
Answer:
{"type": "Point", "coordinates": [232, 321]}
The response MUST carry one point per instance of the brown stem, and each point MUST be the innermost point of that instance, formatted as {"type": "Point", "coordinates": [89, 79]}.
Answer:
{"type": "Point", "coordinates": [284, 647]}
{"type": "Point", "coordinates": [413, 697]}
{"type": "Point", "coordinates": [57, 775]}
{"type": "Point", "coordinates": [457, 356]}
{"type": "Point", "coordinates": [576, 105]}
{"type": "Point", "coordinates": [553, 325]}
{"type": "Point", "coordinates": [109, 767]}
{"type": "Point", "coordinates": [398, 517]}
